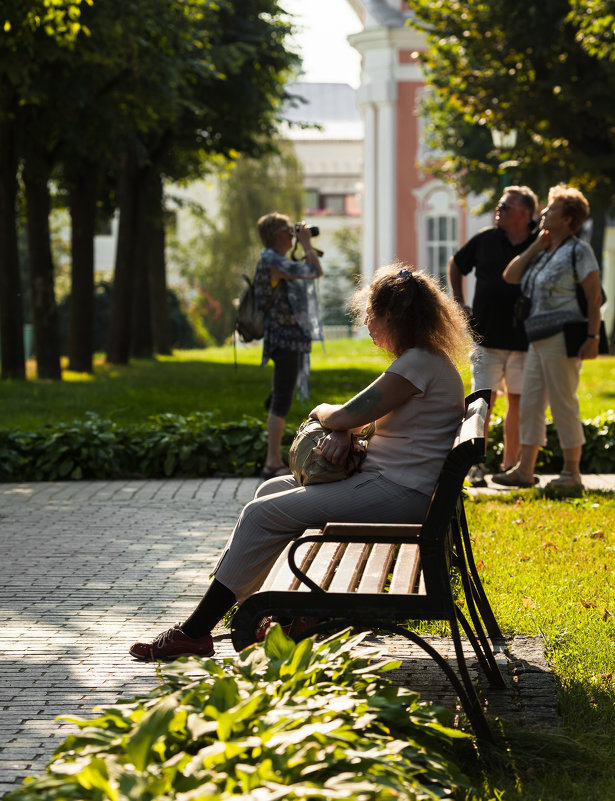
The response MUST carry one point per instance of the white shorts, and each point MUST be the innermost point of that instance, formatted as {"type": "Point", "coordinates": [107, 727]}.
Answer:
{"type": "Point", "coordinates": [498, 370]}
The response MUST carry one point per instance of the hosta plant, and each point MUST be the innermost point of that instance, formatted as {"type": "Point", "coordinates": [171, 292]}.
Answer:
{"type": "Point", "coordinates": [306, 721]}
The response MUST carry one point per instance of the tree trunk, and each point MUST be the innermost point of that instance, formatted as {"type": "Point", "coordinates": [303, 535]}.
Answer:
{"type": "Point", "coordinates": [11, 313]}
{"type": "Point", "coordinates": [161, 329]}
{"type": "Point", "coordinates": [44, 309]}
{"type": "Point", "coordinates": [118, 341]}
{"type": "Point", "coordinates": [81, 323]}
{"type": "Point", "coordinates": [141, 334]}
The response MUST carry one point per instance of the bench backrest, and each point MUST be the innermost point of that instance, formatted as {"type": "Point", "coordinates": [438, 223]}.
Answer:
{"type": "Point", "coordinates": [468, 449]}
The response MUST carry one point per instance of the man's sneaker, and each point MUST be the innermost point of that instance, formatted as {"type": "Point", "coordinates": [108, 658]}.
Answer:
{"type": "Point", "coordinates": [172, 644]}
{"type": "Point", "coordinates": [476, 475]}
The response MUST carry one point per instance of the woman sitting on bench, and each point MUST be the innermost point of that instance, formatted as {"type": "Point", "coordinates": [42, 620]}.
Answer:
{"type": "Point", "coordinates": [417, 405]}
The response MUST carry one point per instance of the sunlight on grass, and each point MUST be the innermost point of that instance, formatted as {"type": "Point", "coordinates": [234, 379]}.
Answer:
{"type": "Point", "coordinates": [71, 375]}
{"type": "Point", "coordinates": [547, 567]}
{"type": "Point", "coordinates": [208, 380]}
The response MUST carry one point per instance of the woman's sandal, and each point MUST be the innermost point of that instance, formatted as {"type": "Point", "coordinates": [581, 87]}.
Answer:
{"type": "Point", "coordinates": [513, 478]}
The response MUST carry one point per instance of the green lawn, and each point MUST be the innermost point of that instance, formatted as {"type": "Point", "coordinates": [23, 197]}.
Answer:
{"type": "Point", "coordinates": [547, 567]}
{"type": "Point", "coordinates": [206, 380]}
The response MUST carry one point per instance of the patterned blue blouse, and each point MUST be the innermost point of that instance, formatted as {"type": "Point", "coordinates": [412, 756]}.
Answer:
{"type": "Point", "coordinates": [293, 320]}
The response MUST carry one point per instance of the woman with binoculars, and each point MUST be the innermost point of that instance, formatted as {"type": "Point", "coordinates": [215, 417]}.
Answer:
{"type": "Point", "coordinates": [285, 292]}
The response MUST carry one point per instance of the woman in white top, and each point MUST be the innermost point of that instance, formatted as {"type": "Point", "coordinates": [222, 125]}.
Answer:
{"type": "Point", "coordinates": [416, 404]}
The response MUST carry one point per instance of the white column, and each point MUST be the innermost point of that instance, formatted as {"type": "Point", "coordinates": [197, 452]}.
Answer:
{"type": "Point", "coordinates": [370, 210]}
{"type": "Point", "coordinates": [386, 182]}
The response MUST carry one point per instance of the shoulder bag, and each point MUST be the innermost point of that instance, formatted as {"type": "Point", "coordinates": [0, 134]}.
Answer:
{"type": "Point", "coordinates": [575, 333]}
{"type": "Point", "coordinates": [308, 466]}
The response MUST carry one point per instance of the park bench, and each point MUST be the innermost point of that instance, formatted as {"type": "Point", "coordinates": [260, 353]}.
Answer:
{"type": "Point", "coordinates": [382, 576]}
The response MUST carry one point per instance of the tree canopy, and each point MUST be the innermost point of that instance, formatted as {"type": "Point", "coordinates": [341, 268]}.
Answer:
{"type": "Point", "coordinates": [595, 20]}
{"type": "Point", "coordinates": [525, 66]}
{"type": "Point", "coordinates": [112, 99]}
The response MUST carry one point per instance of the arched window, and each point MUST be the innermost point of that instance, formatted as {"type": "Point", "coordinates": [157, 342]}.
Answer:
{"type": "Point", "coordinates": [440, 240]}
{"type": "Point", "coordinates": [437, 225]}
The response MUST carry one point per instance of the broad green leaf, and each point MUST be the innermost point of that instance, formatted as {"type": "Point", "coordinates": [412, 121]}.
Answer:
{"type": "Point", "coordinates": [277, 645]}
{"type": "Point", "coordinates": [95, 776]}
{"type": "Point", "coordinates": [152, 725]}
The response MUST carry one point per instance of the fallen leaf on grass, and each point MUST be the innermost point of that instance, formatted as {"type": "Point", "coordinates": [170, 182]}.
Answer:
{"type": "Point", "coordinates": [480, 565]}
{"type": "Point", "coordinates": [549, 545]}
{"type": "Point", "coordinates": [601, 678]}
{"type": "Point", "coordinates": [528, 603]}
{"type": "Point", "coordinates": [588, 604]}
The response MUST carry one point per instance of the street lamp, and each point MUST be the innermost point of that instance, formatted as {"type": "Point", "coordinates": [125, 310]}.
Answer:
{"type": "Point", "coordinates": [504, 140]}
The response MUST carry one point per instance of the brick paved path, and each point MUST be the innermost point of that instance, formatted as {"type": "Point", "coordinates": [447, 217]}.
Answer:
{"type": "Point", "coordinates": [88, 567]}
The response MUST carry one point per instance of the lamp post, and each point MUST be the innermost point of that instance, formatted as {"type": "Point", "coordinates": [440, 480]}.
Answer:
{"type": "Point", "coordinates": [504, 140]}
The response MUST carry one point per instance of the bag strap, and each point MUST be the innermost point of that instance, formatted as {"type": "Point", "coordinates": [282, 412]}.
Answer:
{"type": "Point", "coordinates": [366, 433]}
{"type": "Point", "coordinates": [531, 281]}
{"type": "Point", "coordinates": [580, 294]}
{"type": "Point", "coordinates": [574, 261]}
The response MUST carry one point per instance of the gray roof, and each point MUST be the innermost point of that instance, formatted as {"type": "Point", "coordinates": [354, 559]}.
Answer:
{"type": "Point", "coordinates": [331, 106]}
{"type": "Point", "coordinates": [326, 103]}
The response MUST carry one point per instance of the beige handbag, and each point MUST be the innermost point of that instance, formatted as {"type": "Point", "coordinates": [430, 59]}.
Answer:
{"type": "Point", "coordinates": [310, 467]}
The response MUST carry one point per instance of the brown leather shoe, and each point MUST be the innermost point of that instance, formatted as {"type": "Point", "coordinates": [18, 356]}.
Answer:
{"type": "Point", "coordinates": [172, 644]}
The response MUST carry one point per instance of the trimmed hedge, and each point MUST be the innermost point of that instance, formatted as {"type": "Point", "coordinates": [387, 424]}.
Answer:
{"type": "Point", "coordinates": [598, 452]}
{"type": "Point", "coordinates": [169, 445]}
{"type": "Point", "coordinates": [164, 446]}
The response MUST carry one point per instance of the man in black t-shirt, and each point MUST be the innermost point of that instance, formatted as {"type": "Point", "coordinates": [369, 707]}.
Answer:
{"type": "Point", "coordinates": [499, 357]}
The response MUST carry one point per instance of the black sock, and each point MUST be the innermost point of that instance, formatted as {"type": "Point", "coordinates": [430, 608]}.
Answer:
{"type": "Point", "coordinates": [211, 609]}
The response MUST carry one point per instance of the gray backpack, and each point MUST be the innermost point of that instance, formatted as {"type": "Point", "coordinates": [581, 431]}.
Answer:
{"type": "Point", "coordinates": [250, 320]}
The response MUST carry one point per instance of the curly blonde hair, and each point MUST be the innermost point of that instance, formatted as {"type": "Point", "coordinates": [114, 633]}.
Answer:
{"type": "Point", "coordinates": [574, 204]}
{"type": "Point", "coordinates": [419, 313]}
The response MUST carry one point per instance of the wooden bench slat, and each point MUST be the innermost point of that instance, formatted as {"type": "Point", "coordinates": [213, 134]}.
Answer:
{"type": "Point", "coordinates": [349, 568]}
{"type": "Point", "coordinates": [281, 577]}
{"type": "Point", "coordinates": [377, 568]}
{"type": "Point", "coordinates": [405, 570]}
{"type": "Point", "coordinates": [323, 564]}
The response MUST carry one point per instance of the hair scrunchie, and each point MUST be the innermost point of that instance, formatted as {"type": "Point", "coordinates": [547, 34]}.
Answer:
{"type": "Point", "coordinates": [405, 274]}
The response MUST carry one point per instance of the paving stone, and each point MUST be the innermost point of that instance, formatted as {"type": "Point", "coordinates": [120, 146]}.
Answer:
{"type": "Point", "coordinates": [90, 566]}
